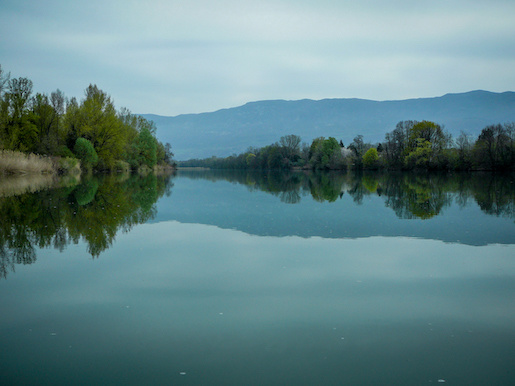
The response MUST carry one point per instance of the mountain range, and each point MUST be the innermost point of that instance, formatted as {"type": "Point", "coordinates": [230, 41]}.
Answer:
{"type": "Point", "coordinates": [228, 131]}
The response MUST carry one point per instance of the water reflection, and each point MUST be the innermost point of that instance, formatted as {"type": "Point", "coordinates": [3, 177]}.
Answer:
{"type": "Point", "coordinates": [409, 195]}
{"type": "Point", "coordinates": [20, 184]}
{"type": "Point", "coordinates": [93, 211]}
{"type": "Point", "coordinates": [330, 304]}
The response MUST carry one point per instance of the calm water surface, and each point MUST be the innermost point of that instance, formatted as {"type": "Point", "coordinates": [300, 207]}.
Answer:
{"type": "Point", "coordinates": [210, 278]}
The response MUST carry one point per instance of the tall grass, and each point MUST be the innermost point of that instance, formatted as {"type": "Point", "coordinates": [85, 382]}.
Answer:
{"type": "Point", "coordinates": [15, 162]}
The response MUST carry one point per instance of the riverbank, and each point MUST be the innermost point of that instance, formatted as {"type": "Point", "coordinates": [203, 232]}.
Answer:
{"type": "Point", "coordinates": [18, 163]}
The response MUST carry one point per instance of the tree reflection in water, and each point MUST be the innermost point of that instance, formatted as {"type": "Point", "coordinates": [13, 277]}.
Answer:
{"type": "Point", "coordinates": [98, 208]}
{"type": "Point", "coordinates": [409, 195]}
{"type": "Point", "coordinates": [93, 211]}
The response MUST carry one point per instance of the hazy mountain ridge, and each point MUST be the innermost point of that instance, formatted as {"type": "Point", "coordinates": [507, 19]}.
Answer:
{"type": "Point", "coordinates": [261, 123]}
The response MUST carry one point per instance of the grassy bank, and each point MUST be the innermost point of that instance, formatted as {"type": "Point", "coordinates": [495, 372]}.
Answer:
{"type": "Point", "coordinates": [14, 162]}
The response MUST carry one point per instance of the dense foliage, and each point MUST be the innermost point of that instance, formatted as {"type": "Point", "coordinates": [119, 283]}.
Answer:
{"type": "Point", "coordinates": [411, 145]}
{"type": "Point", "coordinates": [91, 130]}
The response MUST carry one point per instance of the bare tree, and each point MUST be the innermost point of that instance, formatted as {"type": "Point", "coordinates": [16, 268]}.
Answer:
{"type": "Point", "coordinates": [4, 79]}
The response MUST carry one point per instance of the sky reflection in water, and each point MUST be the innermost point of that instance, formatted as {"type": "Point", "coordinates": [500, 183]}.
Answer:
{"type": "Point", "coordinates": [179, 303]}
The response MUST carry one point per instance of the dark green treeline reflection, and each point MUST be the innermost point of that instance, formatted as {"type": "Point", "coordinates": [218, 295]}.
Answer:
{"type": "Point", "coordinates": [93, 211]}
{"type": "Point", "coordinates": [409, 195]}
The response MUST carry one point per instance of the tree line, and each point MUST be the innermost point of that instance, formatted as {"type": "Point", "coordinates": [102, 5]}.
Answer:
{"type": "Point", "coordinates": [411, 145]}
{"type": "Point", "coordinates": [91, 130]}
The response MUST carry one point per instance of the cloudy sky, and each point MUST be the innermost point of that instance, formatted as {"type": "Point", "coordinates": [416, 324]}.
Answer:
{"type": "Point", "coordinates": [174, 57]}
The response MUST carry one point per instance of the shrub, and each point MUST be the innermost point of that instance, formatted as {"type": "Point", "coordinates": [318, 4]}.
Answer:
{"type": "Point", "coordinates": [85, 151]}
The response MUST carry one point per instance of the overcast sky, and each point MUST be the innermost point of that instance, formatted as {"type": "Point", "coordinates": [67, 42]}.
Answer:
{"type": "Point", "coordinates": [175, 57]}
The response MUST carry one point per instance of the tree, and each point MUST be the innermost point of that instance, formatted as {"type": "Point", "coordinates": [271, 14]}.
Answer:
{"type": "Point", "coordinates": [426, 143]}
{"type": "Point", "coordinates": [4, 80]}
{"type": "Point", "coordinates": [327, 154]}
{"type": "Point", "coordinates": [96, 120]}
{"type": "Point", "coordinates": [17, 128]}
{"type": "Point", "coordinates": [46, 119]}
{"type": "Point", "coordinates": [421, 156]}
{"type": "Point", "coordinates": [275, 158]}
{"type": "Point", "coordinates": [147, 148]}
{"type": "Point", "coordinates": [359, 147]}
{"type": "Point", "coordinates": [19, 93]}
{"type": "Point", "coordinates": [429, 131]}
{"type": "Point", "coordinates": [371, 158]}
{"type": "Point", "coordinates": [494, 147]}
{"type": "Point", "coordinates": [396, 143]}
{"type": "Point", "coordinates": [168, 158]}
{"type": "Point", "coordinates": [85, 151]}
{"type": "Point", "coordinates": [464, 148]}
{"type": "Point", "coordinates": [291, 146]}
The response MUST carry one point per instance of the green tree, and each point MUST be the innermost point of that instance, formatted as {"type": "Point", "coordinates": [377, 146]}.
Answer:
{"type": "Point", "coordinates": [371, 158]}
{"type": "Point", "coordinates": [250, 159]}
{"type": "Point", "coordinates": [85, 151]}
{"type": "Point", "coordinates": [96, 119]}
{"type": "Point", "coordinates": [20, 90]}
{"type": "Point", "coordinates": [396, 144]}
{"type": "Point", "coordinates": [46, 120]}
{"type": "Point", "coordinates": [426, 144]}
{"type": "Point", "coordinates": [72, 123]}
{"type": "Point", "coordinates": [325, 154]}
{"type": "Point", "coordinates": [18, 131]}
{"type": "Point", "coordinates": [275, 158]}
{"type": "Point", "coordinates": [147, 148]}
{"type": "Point", "coordinates": [421, 156]}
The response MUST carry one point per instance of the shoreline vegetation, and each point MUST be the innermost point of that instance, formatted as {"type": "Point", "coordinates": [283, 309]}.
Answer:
{"type": "Point", "coordinates": [59, 135]}
{"type": "Point", "coordinates": [53, 134]}
{"type": "Point", "coordinates": [412, 145]}
{"type": "Point", "coordinates": [18, 163]}
{"type": "Point", "coordinates": [32, 173]}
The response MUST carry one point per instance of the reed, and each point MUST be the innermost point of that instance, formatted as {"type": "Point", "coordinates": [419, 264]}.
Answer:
{"type": "Point", "coordinates": [14, 162]}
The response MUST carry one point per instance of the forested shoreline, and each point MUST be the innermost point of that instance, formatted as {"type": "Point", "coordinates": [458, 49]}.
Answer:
{"type": "Point", "coordinates": [53, 133]}
{"type": "Point", "coordinates": [411, 145]}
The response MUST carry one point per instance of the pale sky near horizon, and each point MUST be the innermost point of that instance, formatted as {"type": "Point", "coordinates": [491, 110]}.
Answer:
{"type": "Point", "coordinates": [177, 57]}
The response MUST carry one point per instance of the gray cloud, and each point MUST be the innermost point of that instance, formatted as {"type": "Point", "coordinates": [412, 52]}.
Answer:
{"type": "Point", "coordinates": [172, 57]}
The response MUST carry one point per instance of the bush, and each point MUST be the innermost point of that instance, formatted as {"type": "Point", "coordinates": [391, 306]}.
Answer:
{"type": "Point", "coordinates": [85, 151]}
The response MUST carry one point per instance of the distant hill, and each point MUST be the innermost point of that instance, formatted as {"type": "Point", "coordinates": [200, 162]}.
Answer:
{"type": "Point", "coordinates": [257, 124]}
